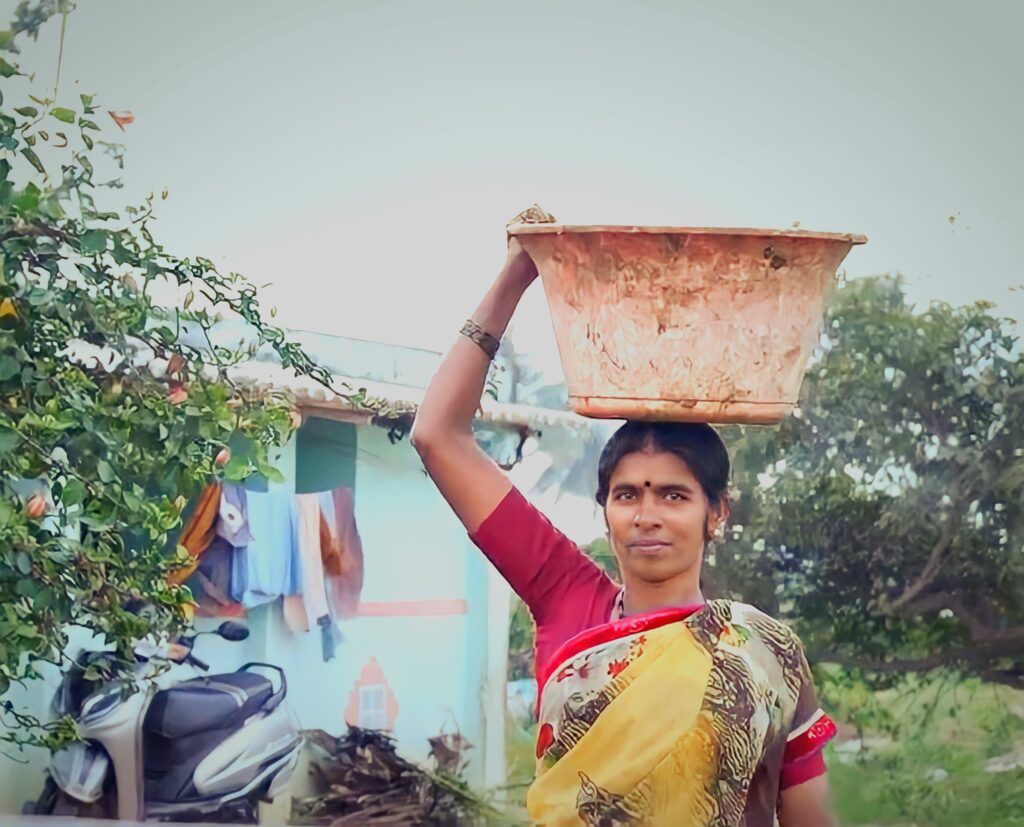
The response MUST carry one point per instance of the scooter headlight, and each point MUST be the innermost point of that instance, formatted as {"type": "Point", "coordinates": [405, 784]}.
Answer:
{"type": "Point", "coordinates": [98, 706]}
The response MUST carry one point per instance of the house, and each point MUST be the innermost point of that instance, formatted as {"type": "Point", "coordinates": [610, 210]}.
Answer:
{"type": "Point", "coordinates": [427, 651]}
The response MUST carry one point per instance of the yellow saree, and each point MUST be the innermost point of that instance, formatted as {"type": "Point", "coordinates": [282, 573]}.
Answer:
{"type": "Point", "coordinates": [674, 718]}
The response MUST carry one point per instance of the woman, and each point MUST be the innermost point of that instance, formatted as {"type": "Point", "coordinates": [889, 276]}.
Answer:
{"type": "Point", "coordinates": [656, 706]}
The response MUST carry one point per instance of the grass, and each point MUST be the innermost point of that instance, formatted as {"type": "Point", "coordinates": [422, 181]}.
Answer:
{"type": "Point", "coordinates": [894, 789]}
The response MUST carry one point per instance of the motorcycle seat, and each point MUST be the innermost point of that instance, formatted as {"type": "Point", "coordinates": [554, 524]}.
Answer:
{"type": "Point", "coordinates": [212, 702]}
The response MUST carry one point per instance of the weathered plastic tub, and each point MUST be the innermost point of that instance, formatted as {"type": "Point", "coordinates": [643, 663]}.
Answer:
{"type": "Point", "coordinates": [683, 323]}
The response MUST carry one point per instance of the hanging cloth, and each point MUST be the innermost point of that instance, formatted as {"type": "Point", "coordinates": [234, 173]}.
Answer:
{"type": "Point", "coordinates": [344, 589]}
{"type": "Point", "coordinates": [269, 565]}
{"type": "Point", "coordinates": [198, 532]}
{"type": "Point", "coordinates": [303, 611]}
{"type": "Point", "coordinates": [211, 582]}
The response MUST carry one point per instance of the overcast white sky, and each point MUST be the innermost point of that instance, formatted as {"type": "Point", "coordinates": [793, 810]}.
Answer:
{"type": "Point", "coordinates": [364, 156]}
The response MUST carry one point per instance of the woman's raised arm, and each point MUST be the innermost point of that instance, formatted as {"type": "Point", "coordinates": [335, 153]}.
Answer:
{"type": "Point", "coordinates": [443, 429]}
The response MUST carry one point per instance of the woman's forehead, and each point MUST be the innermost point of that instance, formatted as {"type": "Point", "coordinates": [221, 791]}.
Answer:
{"type": "Point", "coordinates": [655, 467]}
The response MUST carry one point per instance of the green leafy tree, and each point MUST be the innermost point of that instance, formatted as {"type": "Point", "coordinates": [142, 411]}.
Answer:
{"type": "Point", "coordinates": [887, 519]}
{"type": "Point", "coordinates": [115, 408]}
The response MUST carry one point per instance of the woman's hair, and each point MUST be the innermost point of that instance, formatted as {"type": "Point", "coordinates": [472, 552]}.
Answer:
{"type": "Point", "coordinates": [696, 444]}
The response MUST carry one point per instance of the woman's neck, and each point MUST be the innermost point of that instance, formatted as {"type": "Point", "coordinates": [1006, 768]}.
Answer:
{"type": "Point", "coordinates": [639, 597]}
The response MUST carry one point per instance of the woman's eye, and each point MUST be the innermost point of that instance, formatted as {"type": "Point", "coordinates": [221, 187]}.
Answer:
{"type": "Point", "coordinates": [622, 495]}
{"type": "Point", "coordinates": [675, 496]}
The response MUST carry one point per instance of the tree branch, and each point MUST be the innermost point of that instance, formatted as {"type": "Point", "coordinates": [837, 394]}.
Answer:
{"type": "Point", "coordinates": [978, 657]}
{"type": "Point", "coordinates": [980, 630]}
{"type": "Point", "coordinates": [34, 231]}
{"type": "Point", "coordinates": [931, 568]}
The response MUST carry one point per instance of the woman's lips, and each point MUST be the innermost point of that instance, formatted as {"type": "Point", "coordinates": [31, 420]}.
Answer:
{"type": "Point", "coordinates": [648, 546]}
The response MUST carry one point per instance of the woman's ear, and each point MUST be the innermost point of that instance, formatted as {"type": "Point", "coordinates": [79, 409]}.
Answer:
{"type": "Point", "coordinates": [723, 509]}
{"type": "Point", "coordinates": [717, 518]}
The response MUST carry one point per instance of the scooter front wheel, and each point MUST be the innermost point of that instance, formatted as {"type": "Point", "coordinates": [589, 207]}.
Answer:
{"type": "Point", "coordinates": [53, 801]}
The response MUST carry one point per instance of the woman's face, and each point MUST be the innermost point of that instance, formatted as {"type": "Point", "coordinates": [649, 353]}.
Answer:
{"type": "Point", "coordinates": [658, 517]}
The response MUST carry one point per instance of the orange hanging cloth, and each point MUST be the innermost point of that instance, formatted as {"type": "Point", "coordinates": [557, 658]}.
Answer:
{"type": "Point", "coordinates": [345, 589]}
{"type": "Point", "coordinates": [198, 532]}
{"type": "Point", "coordinates": [330, 549]}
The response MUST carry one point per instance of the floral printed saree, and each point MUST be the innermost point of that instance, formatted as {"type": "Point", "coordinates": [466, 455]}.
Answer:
{"type": "Point", "coordinates": [674, 717]}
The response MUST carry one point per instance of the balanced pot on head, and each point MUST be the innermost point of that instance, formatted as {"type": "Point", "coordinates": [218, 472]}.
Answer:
{"type": "Point", "coordinates": [681, 323]}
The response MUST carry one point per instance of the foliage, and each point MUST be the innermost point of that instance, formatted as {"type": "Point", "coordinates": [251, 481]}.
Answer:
{"type": "Point", "coordinates": [113, 407]}
{"type": "Point", "coordinates": [887, 518]}
{"type": "Point", "coordinates": [521, 631]}
{"type": "Point", "coordinates": [902, 788]}
{"type": "Point", "coordinates": [924, 758]}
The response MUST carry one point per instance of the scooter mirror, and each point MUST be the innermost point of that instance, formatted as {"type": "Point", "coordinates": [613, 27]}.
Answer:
{"type": "Point", "coordinates": [230, 630]}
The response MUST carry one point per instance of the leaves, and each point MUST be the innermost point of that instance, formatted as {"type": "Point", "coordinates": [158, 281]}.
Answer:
{"type": "Point", "coordinates": [237, 468]}
{"type": "Point", "coordinates": [9, 368]}
{"type": "Point", "coordinates": [73, 493]}
{"type": "Point", "coordinates": [63, 115]}
{"type": "Point", "coordinates": [9, 440]}
{"type": "Point", "coordinates": [22, 562]}
{"type": "Point", "coordinates": [270, 473]}
{"type": "Point", "coordinates": [33, 159]}
{"type": "Point", "coordinates": [98, 453]}
{"type": "Point", "coordinates": [93, 241]}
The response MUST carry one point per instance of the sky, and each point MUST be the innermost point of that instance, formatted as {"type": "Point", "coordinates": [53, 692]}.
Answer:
{"type": "Point", "coordinates": [362, 158]}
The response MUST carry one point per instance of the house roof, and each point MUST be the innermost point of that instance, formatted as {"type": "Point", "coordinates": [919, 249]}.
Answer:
{"type": "Point", "coordinates": [386, 398]}
{"type": "Point", "coordinates": [384, 401]}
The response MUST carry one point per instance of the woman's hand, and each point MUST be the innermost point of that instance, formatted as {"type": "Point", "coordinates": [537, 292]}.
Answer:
{"type": "Point", "coordinates": [519, 267]}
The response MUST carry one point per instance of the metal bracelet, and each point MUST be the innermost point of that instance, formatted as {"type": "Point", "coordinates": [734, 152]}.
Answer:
{"type": "Point", "coordinates": [487, 343]}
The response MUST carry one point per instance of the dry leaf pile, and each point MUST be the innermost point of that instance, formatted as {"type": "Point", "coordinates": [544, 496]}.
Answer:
{"type": "Point", "coordinates": [364, 781]}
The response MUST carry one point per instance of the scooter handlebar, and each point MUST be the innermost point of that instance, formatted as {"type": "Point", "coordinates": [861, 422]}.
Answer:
{"type": "Point", "coordinates": [198, 663]}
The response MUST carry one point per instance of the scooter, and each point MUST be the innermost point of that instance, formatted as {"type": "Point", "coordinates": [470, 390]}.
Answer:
{"type": "Point", "coordinates": [173, 745]}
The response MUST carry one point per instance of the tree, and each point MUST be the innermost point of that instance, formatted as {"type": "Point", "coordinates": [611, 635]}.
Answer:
{"type": "Point", "coordinates": [115, 410]}
{"type": "Point", "coordinates": [887, 518]}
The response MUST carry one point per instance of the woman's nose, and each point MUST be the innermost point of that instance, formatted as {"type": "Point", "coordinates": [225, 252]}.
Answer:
{"type": "Point", "coordinates": [646, 514]}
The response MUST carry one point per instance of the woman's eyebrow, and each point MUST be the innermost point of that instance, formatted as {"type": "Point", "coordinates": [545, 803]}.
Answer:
{"type": "Point", "coordinates": [674, 486]}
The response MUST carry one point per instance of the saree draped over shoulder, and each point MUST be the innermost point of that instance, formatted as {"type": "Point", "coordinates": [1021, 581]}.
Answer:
{"type": "Point", "coordinates": [675, 717]}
